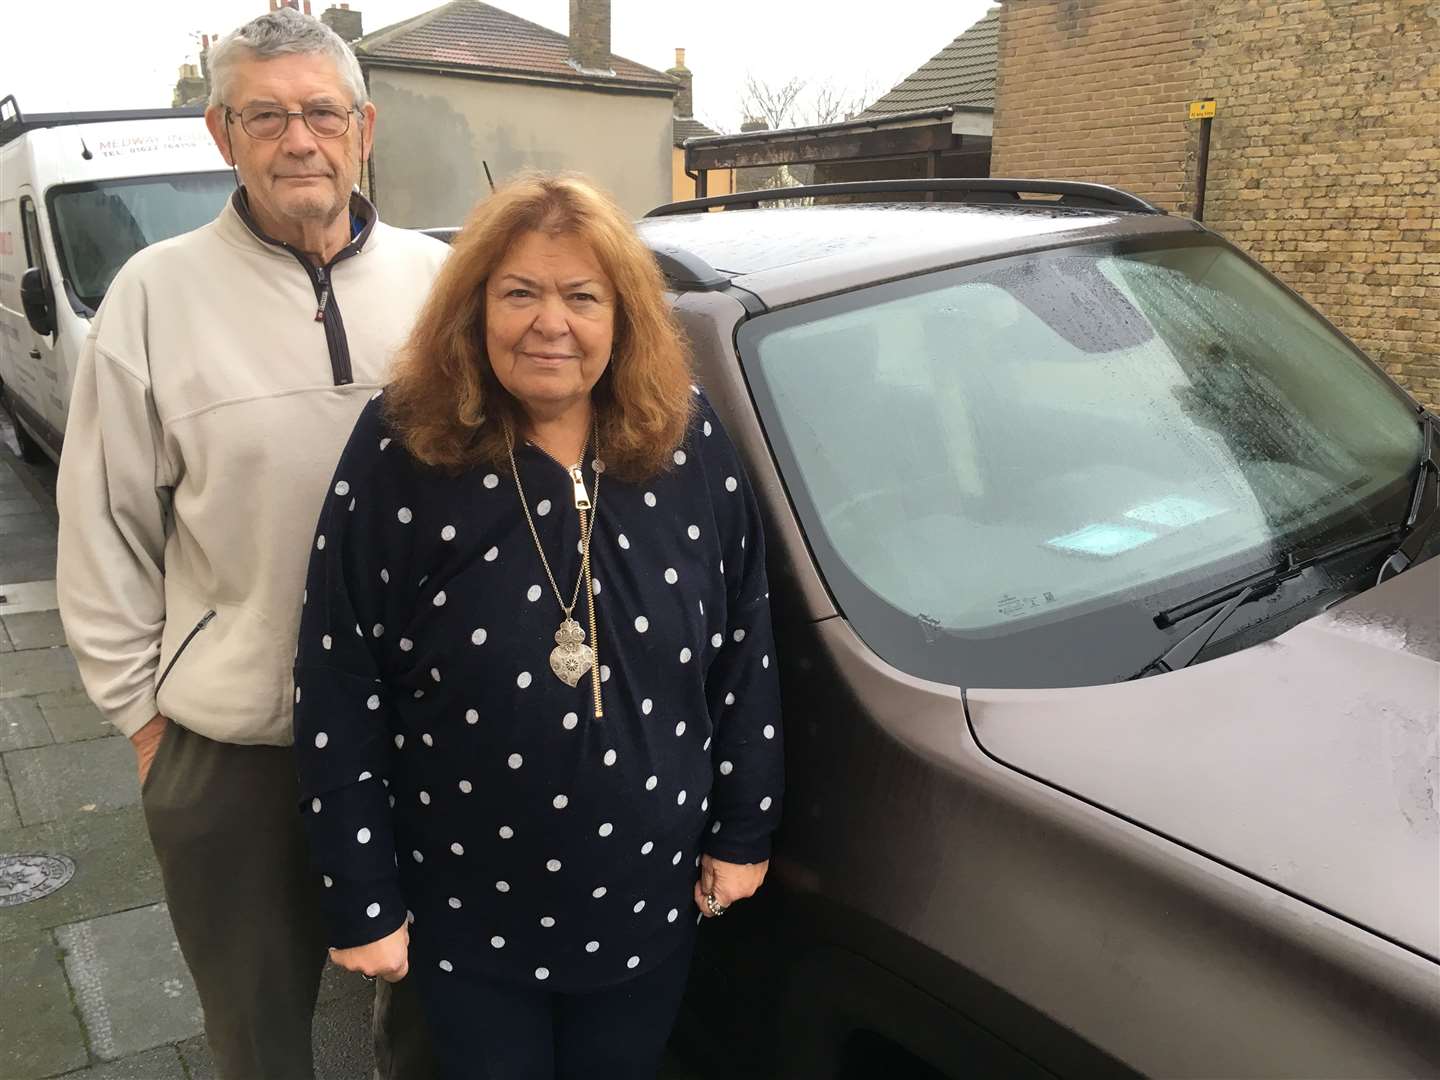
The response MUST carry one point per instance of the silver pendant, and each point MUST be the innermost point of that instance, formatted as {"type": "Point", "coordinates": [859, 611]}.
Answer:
{"type": "Point", "coordinates": [571, 658]}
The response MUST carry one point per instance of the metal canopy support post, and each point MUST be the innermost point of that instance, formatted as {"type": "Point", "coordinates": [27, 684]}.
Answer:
{"type": "Point", "coordinates": [932, 171]}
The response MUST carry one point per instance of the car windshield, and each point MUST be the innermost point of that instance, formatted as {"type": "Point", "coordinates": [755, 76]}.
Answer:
{"type": "Point", "coordinates": [100, 225]}
{"type": "Point", "coordinates": [1044, 451]}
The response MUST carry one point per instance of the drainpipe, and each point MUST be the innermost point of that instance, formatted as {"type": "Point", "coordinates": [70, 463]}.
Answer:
{"type": "Point", "coordinates": [1204, 111]}
{"type": "Point", "coordinates": [702, 182]}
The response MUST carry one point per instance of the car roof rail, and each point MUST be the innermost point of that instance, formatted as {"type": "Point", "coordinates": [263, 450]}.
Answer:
{"type": "Point", "coordinates": [14, 123]}
{"type": "Point", "coordinates": [686, 271]}
{"type": "Point", "coordinates": [1072, 193]}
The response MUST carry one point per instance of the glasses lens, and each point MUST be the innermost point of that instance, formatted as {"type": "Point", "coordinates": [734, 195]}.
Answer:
{"type": "Point", "coordinates": [263, 122]}
{"type": "Point", "coordinates": [327, 121]}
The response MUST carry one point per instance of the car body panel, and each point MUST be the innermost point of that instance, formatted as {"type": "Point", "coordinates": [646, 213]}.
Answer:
{"type": "Point", "coordinates": [1052, 923]}
{"type": "Point", "coordinates": [1045, 919]}
{"type": "Point", "coordinates": [1309, 761]}
{"type": "Point", "coordinates": [1083, 938]}
{"type": "Point", "coordinates": [797, 591]}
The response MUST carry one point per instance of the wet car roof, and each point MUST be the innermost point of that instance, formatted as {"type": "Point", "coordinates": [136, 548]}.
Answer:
{"type": "Point", "coordinates": [791, 253]}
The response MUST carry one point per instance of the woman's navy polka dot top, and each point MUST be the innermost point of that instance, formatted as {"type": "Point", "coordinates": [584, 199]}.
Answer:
{"type": "Point", "coordinates": [450, 778]}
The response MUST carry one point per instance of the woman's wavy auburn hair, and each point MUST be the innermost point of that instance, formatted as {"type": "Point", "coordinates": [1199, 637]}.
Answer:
{"type": "Point", "coordinates": [444, 400]}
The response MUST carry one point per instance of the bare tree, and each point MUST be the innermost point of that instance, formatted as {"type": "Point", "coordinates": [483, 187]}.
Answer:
{"type": "Point", "coordinates": [776, 105]}
{"type": "Point", "coordinates": [795, 103]}
{"type": "Point", "coordinates": [830, 104]}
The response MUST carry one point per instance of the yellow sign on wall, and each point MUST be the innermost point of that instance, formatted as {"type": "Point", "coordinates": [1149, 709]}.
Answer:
{"type": "Point", "coordinates": [1202, 110]}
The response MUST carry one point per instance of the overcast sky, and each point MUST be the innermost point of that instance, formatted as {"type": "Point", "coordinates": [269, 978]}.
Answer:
{"type": "Point", "coordinates": [83, 54]}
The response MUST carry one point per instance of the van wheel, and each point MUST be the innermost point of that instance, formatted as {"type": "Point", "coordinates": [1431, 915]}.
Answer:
{"type": "Point", "coordinates": [30, 451]}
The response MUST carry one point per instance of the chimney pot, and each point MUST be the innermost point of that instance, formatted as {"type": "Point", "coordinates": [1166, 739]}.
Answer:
{"type": "Point", "coordinates": [684, 104]}
{"type": "Point", "coordinates": [307, 7]}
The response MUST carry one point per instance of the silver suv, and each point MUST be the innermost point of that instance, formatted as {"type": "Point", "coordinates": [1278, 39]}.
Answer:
{"type": "Point", "coordinates": [1110, 647]}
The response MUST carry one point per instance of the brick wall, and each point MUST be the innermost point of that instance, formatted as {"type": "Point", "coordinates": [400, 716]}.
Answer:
{"type": "Point", "coordinates": [1324, 158]}
{"type": "Point", "coordinates": [1325, 148]}
{"type": "Point", "coordinates": [1096, 89]}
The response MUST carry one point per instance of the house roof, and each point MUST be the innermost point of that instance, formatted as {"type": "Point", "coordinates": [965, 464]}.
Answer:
{"type": "Point", "coordinates": [470, 37]}
{"type": "Point", "coordinates": [687, 127]}
{"type": "Point", "coordinates": [962, 73]}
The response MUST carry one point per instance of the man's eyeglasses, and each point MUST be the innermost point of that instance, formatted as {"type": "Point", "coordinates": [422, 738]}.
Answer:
{"type": "Point", "coordinates": [268, 123]}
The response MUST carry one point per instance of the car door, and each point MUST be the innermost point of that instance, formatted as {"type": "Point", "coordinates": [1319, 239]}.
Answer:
{"type": "Point", "coordinates": [37, 362]}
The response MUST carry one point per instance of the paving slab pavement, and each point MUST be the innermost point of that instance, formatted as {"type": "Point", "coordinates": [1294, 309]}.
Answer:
{"type": "Point", "coordinates": [131, 985]}
{"type": "Point", "coordinates": [39, 1032]}
{"type": "Point", "coordinates": [38, 671]}
{"type": "Point", "coordinates": [60, 780]}
{"type": "Point", "coordinates": [72, 718]}
{"type": "Point", "coordinates": [22, 725]}
{"type": "Point", "coordinates": [9, 816]}
{"type": "Point", "coordinates": [34, 630]}
{"type": "Point", "coordinates": [115, 870]}
{"type": "Point", "coordinates": [162, 1063]}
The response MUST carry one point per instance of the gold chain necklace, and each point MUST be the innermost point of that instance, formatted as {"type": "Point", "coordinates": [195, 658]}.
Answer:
{"type": "Point", "coordinates": [571, 658]}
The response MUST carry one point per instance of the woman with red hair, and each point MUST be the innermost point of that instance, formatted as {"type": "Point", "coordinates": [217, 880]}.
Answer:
{"type": "Point", "coordinates": [537, 713]}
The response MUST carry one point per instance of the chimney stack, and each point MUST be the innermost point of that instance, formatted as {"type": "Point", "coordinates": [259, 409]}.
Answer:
{"type": "Point", "coordinates": [684, 104]}
{"type": "Point", "coordinates": [755, 123]}
{"type": "Point", "coordinates": [590, 34]}
{"type": "Point", "coordinates": [344, 22]}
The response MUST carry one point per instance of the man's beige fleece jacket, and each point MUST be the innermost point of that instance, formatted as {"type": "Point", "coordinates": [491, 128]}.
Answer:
{"type": "Point", "coordinates": [208, 411]}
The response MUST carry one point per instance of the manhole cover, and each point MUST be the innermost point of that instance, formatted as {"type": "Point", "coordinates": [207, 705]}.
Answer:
{"type": "Point", "coordinates": [29, 877]}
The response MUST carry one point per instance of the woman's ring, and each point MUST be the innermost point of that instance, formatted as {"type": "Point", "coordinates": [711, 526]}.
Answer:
{"type": "Point", "coordinates": [716, 908]}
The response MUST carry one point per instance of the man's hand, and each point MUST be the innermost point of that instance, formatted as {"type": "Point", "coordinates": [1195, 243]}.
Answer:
{"type": "Point", "coordinates": [146, 741]}
{"type": "Point", "coordinates": [727, 881]}
{"type": "Point", "coordinates": [388, 958]}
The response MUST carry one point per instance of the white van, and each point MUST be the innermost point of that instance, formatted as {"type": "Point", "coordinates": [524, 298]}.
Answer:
{"type": "Point", "coordinates": [79, 194]}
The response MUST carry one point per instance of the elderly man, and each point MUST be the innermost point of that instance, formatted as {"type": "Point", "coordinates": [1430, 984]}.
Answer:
{"type": "Point", "coordinates": [221, 379]}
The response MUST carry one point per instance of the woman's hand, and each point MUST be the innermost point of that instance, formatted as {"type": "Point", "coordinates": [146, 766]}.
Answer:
{"type": "Point", "coordinates": [388, 958]}
{"type": "Point", "coordinates": [727, 881]}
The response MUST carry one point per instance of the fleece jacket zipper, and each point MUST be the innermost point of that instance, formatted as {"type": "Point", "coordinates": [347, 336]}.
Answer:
{"type": "Point", "coordinates": [327, 310]}
{"type": "Point", "coordinates": [204, 622]}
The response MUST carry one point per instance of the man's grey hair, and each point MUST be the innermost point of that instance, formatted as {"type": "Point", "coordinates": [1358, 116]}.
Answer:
{"type": "Point", "coordinates": [283, 32]}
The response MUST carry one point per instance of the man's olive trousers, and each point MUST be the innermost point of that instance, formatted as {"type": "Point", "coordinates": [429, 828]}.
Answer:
{"type": "Point", "coordinates": [225, 824]}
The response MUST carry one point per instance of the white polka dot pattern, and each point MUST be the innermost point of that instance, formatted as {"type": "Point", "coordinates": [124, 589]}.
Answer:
{"type": "Point", "coordinates": [494, 766]}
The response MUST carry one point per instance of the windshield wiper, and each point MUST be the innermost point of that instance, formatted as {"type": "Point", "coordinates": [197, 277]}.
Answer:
{"type": "Point", "coordinates": [1414, 531]}
{"type": "Point", "coordinates": [1183, 652]}
{"type": "Point", "coordinates": [1237, 593]}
